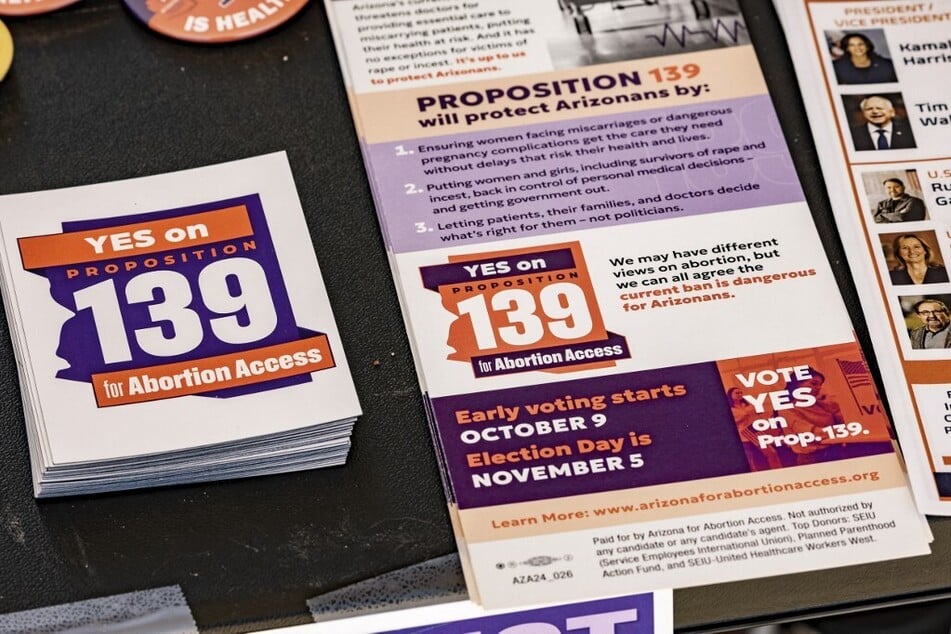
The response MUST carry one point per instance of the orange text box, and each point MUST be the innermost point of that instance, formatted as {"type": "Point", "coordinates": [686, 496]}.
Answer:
{"type": "Point", "coordinates": [213, 373]}
{"type": "Point", "coordinates": [130, 240]}
{"type": "Point", "coordinates": [394, 115]}
{"type": "Point", "coordinates": [765, 489]}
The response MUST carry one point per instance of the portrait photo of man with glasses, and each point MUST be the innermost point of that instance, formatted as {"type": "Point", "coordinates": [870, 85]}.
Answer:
{"type": "Point", "coordinates": [933, 314]}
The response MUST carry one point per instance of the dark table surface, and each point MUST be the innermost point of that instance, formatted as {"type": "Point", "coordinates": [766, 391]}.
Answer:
{"type": "Point", "coordinates": [93, 96]}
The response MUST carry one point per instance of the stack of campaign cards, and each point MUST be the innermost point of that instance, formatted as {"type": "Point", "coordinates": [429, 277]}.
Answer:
{"type": "Point", "coordinates": [172, 329]}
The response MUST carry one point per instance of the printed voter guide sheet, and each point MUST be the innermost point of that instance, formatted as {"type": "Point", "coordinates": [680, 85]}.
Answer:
{"type": "Point", "coordinates": [649, 613]}
{"type": "Point", "coordinates": [868, 77]}
{"type": "Point", "coordinates": [637, 367]}
{"type": "Point", "coordinates": [173, 328]}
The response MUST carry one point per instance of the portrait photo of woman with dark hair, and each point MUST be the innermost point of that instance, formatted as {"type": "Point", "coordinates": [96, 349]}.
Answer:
{"type": "Point", "coordinates": [859, 63]}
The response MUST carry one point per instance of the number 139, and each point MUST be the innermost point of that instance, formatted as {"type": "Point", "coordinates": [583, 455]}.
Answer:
{"type": "Point", "coordinates": [169, 294]}
{"type": "Point", "coordinates": [563, 305]}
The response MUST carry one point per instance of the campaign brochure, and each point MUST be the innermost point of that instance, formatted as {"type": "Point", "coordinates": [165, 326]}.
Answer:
{"type": "Point", "coordinates": [637, 367]}
{"type": "Point", "coordinates": [172, 329]}
{"type": "Point", "coordinates": [869, 73]}
{"type": "Point", "coordinates": [649, 613]}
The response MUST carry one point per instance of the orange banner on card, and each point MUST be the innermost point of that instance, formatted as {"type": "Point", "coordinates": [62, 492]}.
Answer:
{"type": "Point", "coordinates": [213, 373]}
{"type": "Point", "coordinates": [130, 240]}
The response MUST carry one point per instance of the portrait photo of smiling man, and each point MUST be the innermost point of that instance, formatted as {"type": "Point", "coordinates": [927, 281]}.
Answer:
{"type": "Point", "coordinates": [894, 196]}
{"type": "Point", "coordinates": [898, 205]}
{"type": "Point", "coordinates": [876, 123]}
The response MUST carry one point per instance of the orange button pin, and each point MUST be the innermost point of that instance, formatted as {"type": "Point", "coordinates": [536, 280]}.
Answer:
{"type": "Point", "coordinates": [31, 7]}
{"type": "Point", "coordinates": [214, 21]}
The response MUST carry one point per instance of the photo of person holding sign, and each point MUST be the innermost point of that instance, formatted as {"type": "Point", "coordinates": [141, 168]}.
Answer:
{"type": "Point", "coordinates": [825, 412]}
{"type": "Point", "coordinates": [744, 414]}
